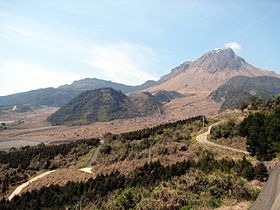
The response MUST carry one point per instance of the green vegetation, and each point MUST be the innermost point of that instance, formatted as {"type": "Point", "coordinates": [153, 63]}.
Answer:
{"type": "Point", "coordinates": [106, 149]}
{"type": "Point", "coordinates": [105, 104]}
{"type": "Point", "coordinates": [148, 181]}
{"type": "Point", "coordinates": [160, 141]}
{"type": "Point", "coordinates": [63, 94]}
{"type": "Point", "coordinates": [3, 126]}
{"type": "Point", "coordinates": [261, 128]}
{"type": "Point", "coordinates": [147, 132]}
{"type": "Point", "coordinates": [225, 130]}
{"type": "Point", "coordinates": [179, 178]}
{"type": "Point", "coordinates": [24, 157]}
{"type": "Point", "coordinates": [263, 134]}
{"type": "Point", "coordinates": [17, 165]}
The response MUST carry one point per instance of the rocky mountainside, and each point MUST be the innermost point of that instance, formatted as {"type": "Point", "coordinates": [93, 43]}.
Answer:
{"type": "Point", "coordinates": [238, 89]}
{"type": "Point", "coordinates": [219, 60]}
{"type": "Point", "coordinates": [196, 80]}
{"type": "Point", "coordinates": [208, 72]}
{"type": "Point", "coordinates": [63, 94]}
{"type": "Point", "coordinates": [105, 104]}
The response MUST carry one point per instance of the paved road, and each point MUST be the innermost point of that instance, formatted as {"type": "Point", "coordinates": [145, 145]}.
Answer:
{"type": "Point", "coordinates": [202, 138]}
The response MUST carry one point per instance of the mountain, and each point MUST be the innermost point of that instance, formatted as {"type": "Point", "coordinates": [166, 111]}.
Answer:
{"type": "Point", "coordinates": [91, 84]}
{"type": "Point", "coordinates": [196, 80]}
{"type": "Point", "coordinates": [208, 72]}
{"type": "Point", "coordinates": [238, 89]}
{"type": "Point", "coordinates": [105, 104]}
{"type": "Point", "coordinates": [174, 72]}
{"type": "Point", "coordinates": [220, 60]}
{"type": "Point", "coordinates": [63, 94]}
{"type": "Point", "coordinates": [39, 97]}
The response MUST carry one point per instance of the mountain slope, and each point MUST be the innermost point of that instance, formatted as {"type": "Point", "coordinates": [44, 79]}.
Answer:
{"type": "Point", "coordinates": [91, 84]}
{"type": "Point", "coordinates": [63, 94]}
{"type": "Point", "coordinates": [239, 89]}
{"type": "Point", "coordinates": [39, 97]}
{"type": "Point", "coordinates": [210, 71]}
{"type": "Point", "coordinates": [167, 96]}
{"type": "Point", "coordinates": [105, 104]}
{"type": "Point", "coordinates": [146, 103]}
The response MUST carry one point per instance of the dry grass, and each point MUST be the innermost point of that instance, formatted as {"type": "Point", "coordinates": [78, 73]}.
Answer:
{"type": "Point", "coordinates": [236, 142]}
{"type": "Point", "coordinates": [59, 177]}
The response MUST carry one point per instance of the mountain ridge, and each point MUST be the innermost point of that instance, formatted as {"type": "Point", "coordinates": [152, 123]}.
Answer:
{"type": "Point", "coordinates": [194, 79]}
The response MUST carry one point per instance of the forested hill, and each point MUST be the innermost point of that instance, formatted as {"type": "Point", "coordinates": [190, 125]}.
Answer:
{"type": "Point", "coordinates": [106, 104]}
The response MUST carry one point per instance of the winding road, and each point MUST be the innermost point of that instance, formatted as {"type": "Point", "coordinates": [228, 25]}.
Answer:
{"type": "Point", "coordinates": [202, 138]}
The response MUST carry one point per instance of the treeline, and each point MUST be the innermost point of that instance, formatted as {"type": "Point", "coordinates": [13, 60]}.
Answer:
{"type": "Point", "coordinates": [225, 130]}
{"type": "Point", "coordinates": [147, 176]}
{"type": "Point", "coordinates": [147, 132]}
{"type": "Point", "coordinates": [261, 128]}
{"type": "Point", "coordinates": [255, 103]}
{"type": "Point", "coordinates": [263, 134]}
{"type": "Point", "coordinates": [22, 157]}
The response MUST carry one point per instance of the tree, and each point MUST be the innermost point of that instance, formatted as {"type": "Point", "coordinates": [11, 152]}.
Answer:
{"type": "Point", "coordinates": [255, 128]}
{"type": "Point", "coordinates": [261, 172]}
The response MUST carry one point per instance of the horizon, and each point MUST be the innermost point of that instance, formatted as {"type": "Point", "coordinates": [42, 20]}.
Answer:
{"type": "Point", "coordinates": [57, 43]}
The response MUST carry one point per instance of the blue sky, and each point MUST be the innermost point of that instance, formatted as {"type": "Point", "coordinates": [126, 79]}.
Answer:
{"type": "Point", "coordinates": [54, 42]}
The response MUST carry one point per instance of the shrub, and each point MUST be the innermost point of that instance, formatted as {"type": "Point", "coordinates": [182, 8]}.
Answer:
{"type": "Point", "coordinates": [106, 149]}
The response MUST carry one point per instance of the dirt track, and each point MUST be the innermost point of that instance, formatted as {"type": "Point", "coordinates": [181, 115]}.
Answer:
{"type": "Point", "coordinates": [202, 138]}
{"type": "Point", "coordinates": [19, 188]}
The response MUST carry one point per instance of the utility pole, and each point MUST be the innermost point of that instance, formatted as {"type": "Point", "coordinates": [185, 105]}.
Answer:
{"type": "Point", "coordinates": [203, 121]}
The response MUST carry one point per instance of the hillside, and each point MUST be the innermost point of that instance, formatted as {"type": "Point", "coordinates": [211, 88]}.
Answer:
{"type": "Point", "coordinates": [239, 89]}
{"type": "Point", "coordinates": [96, 105]}
{"type": "Point", "coordinates": [40, 97]}
{"type": "Point", "coordinates": [152, 168]}
{"type": "Point", "coordinates": [63, 94]}
{"type": "Point", "coordinates": [197, 79]}
{"type": "Point", "coordinates": [167, 96]}
{"type": "Point", "coordinates": [194, 80]}
{"type": "Point", "coordinates": [91, 84]}
{"type": "Point", "coordinates": [106, 104]}
{"type": "Point", "coordinates": [146, 103]}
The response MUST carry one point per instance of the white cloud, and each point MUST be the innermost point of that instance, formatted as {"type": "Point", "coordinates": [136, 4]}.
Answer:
{"type": "Point", "coordinates": [18, 76]}
{"type": "Point", "coordinates": [123, 62]}
{"type": "Point", "coordinates": [233, 45]}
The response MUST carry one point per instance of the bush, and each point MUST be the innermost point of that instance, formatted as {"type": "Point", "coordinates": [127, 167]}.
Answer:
{"type": "Point", "coordinates": [225, 130]}
{"type": "Point", "coordinates": [106, 149]}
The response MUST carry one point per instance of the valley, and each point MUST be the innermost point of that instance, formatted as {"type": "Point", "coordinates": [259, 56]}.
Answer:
{"type": "Point", "coordinates": [186, 141]}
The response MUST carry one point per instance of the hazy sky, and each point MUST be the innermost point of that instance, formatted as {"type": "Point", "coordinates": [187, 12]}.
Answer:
{"type": "Point", "coordinates": [54, 42]}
